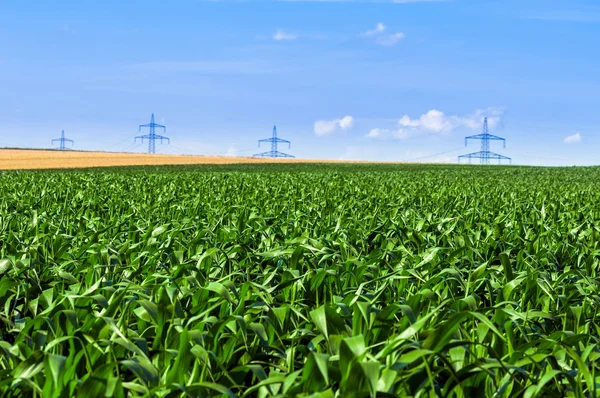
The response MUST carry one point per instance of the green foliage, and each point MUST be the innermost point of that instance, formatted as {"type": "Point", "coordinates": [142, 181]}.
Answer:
{"type": "Point", "coordinates": [300, 280]}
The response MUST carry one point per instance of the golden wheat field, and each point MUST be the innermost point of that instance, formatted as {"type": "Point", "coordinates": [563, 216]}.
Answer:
{"type": "Point", "coordinates": [25, 159]}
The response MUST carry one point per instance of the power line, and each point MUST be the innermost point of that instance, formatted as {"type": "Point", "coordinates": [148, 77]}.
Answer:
{"type": "Point", "coordinates": [436, 154]}
{"type": "Point", "coordinates": [120, 143]}
{"type": "Point", "coordinates": [130, 147]}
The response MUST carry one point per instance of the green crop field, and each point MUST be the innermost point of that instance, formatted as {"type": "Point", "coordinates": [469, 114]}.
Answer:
{"type": "Point", "coordinates": [300, 280]}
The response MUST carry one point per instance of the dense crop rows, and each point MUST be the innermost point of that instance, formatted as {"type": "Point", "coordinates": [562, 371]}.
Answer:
{"type": "Point", "coordinates": [344, 281]}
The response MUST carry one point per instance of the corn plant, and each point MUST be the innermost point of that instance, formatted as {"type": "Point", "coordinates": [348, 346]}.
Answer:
{"type": "Point", "coordinates": [300, 280]}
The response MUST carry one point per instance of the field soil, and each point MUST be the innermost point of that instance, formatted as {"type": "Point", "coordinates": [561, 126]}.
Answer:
{"type": "Point", "coordinates": [23, 159]}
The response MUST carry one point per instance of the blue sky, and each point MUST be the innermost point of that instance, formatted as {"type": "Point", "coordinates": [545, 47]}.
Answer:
{"type": "Point", "coordinates": [370, 80]}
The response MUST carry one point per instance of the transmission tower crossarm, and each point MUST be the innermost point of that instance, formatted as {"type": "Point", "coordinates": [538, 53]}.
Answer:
{"type": "Point", "coordinates": [152, 125]}
{"type": "Point", "coordinates": [491, 155]}
{"type": "Point", "coordinates": [150, 136]}
{"type": "Point", "coordinates": [485, 155]}
{"type": "Point", "coordinates": [484, 137]}
{"type": "Point", "coordinates": [62, 141]}
{"type": "Point", "coordinates": [274, 140]}
{"type": "Point", "coordinates": [273, 154]}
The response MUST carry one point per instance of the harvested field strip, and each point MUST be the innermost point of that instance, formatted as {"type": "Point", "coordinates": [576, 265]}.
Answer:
{"type": "Point", "coordinates": [24, 159]}
{"type": "Point", "coordinates": [18, 159]}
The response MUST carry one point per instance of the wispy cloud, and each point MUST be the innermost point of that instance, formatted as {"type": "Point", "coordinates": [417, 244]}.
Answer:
{"type": "Point", "coordinates": [377, 132]}
{"type": "Point", "coordinates": [326, 127]}
{"type": "Point", "coordinates": [390, 40]}
{"type": "Point", "coordinates": [381, 37]}
{"type": "Point", "coordinates": [437, 122]}
{"type": "Point", "coordinates": [572, 139]}
{"type": "Point", "coordinates": [379, 28]}
{"type": "Point", "coordinates": [281, 35]}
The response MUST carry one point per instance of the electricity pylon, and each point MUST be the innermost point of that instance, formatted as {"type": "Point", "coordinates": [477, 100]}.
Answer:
{"type": "Point", "coordinates": [484, 155]}
{"type": "Point", "coordinates": [152, 136]}
{"type": "Point", "coordinates": [274, 153]}
{"type": "Point", "coordinates": [62, 141]}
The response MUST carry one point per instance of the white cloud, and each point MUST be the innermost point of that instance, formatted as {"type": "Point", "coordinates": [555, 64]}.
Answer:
{"type": "Point", "coordinates": [379, 28]}
{"type": "Point", "coordinates": [398, 133]}
{"type": "Point", "coordinates": [281, 35]}
{"type": "Point", "coordinates": [381, 38]}
{"type": "Point", "coordinates": [407, 122]}
{"type": "Point", "coordinates": [401, 134]}
{"type": "Point", "coordinates": [573, 138]}
{"type": "Point", "coordinates": [326, 127]}
{"type": "Point", "coordinates": [346, 122]}
{"type": "Point", "coordinates": [390, 40]}
{"type": "Point", "coordinates": [375, 133]}
{"type": "Point", "coordinates": [436, 122]}
{"type": "Point", "coordinates": [475, 120]}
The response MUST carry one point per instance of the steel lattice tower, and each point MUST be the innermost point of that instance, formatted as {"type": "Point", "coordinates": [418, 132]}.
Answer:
{"type": "Point", "coordinates": [484, 155]}
{"type": "Point", "coordinates": [152, 136]}
{"type": "Point", "coordinates": [274, 153]}
{"type": "Point", "coordinates": [62, 141]}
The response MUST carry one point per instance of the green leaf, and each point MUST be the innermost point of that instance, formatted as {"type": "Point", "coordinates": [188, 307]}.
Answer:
{"type": "Point", "coordinates": [143, 369]}
{"type": "Point", "coordinates": [159, 230]}
{"type": "Point", "coordinates": [320, 320]}
{"type": "Point", "coordinates": [508, 272]}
